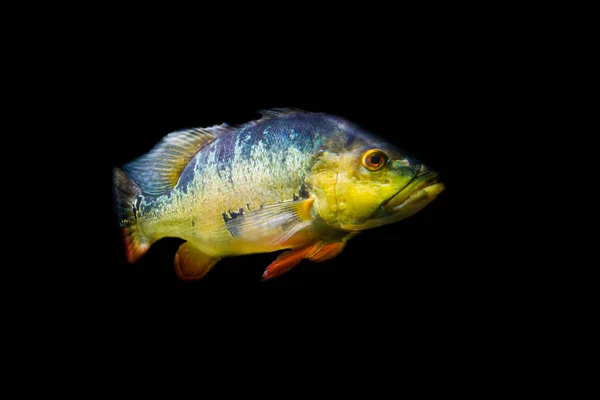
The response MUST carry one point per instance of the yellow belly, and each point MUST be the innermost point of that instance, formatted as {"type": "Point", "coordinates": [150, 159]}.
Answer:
{"type": "Point", "coordinates": [220, 243]}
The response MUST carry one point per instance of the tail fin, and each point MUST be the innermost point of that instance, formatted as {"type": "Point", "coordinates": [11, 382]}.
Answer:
{"type": "Point", "coordinates": [127, 197]}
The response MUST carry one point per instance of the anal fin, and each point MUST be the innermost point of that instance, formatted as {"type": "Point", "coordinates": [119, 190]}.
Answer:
{"type": "Point", "coordinates": [191, 263]}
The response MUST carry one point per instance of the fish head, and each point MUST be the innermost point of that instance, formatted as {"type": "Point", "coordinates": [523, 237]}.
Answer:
{"type": "Point", "coordinates": [370, 184]}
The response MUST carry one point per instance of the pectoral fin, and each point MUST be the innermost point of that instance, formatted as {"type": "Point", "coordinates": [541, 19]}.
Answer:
{"type": "Point", "coordinates": [277, 222]}
{"type": "Point", "coordinates": [191, 263]}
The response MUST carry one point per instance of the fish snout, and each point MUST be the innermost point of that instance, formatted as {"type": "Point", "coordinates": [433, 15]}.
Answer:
{"type": "Point", "coordinates": [423, 187]}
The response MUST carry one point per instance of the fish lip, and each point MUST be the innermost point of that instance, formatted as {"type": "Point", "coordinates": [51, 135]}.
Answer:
{"type": "Point", "coordinates": [386, 202]}
{"type": "Point", "coordinates": [423, 180]}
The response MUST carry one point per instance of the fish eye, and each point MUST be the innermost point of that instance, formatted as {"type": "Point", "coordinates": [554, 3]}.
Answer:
{"type": "Point", "coordinates": [374, 160]}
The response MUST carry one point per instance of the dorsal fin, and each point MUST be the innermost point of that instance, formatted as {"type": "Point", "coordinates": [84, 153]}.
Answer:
{"type": "Point", "coordinates": [280, 112]}
{"type": "Point", "coordinates": [158, 171]}
{"type": "Point", "coordinates": [273, 114]}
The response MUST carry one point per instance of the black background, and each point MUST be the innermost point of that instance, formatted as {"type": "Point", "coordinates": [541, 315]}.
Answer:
{"type": "Point", "coordinates": [427, 269]}
{"type": "Point", "coordinates": [432, 283]}
{"type": "Point", "coordinates": [447, 293]}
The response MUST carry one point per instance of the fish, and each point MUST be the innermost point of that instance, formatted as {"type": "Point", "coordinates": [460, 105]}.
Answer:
{"type": "Point", "coordinates": [293, 180]}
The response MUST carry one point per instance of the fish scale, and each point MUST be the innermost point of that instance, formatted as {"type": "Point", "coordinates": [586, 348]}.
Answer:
{"type": "Point", "coordinates": [230, 173]}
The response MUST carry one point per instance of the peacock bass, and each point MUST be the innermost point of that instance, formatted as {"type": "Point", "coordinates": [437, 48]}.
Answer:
{"type": "Point", "coordinates": [296, 180]}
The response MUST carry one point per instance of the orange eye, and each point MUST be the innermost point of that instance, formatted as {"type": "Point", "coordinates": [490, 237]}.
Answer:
{"type": "Point", "coordinates": [374, 160]}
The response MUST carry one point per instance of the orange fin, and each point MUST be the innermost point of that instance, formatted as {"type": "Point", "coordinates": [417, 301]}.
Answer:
{"type": "Point", "coordinates": [286, 261]}
{"type": "Point", "coordinates": [327, 252]}
{"type": "Point", "coordinates": [192, 264]}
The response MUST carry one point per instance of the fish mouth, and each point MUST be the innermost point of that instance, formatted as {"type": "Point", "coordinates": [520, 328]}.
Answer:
{"type": "Point", "coordinates": [416, 195]}
{"type": "Point", "coordinates": [408, 201]}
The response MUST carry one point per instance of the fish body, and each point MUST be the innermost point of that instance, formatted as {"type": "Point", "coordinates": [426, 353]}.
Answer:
{"type": "Point", "coordinates": [293, 180]}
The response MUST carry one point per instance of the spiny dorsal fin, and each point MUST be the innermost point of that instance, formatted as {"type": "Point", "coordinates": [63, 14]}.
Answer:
{"type": "Point", "coordinates": [280, 112]}
{"type": "Point", "coordinates": [273, 113]}
{"type": "Point", "coordinates": [158, 171]}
